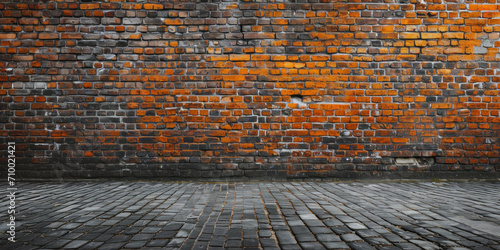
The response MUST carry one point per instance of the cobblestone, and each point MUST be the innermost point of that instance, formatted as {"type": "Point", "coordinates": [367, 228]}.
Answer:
{"type": "Point", "coordinates": [269, 215]}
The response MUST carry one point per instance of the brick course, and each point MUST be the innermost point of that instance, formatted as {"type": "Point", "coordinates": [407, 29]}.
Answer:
{"type": "Point", "coordinates": [251, 89]}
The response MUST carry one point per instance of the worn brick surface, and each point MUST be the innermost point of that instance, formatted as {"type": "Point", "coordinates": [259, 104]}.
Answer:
{"type": "Point", "coordinates": [266, 215]}
{"type": "Point", "coordinates": [251, 89]}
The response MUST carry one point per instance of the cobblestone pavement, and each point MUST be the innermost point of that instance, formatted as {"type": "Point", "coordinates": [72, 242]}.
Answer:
{"type": "Point", "coordinates": [269, 215]}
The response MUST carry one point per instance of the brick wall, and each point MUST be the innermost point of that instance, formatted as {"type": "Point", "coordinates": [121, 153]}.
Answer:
{"type": "Point", "coordinates": [252, 89]}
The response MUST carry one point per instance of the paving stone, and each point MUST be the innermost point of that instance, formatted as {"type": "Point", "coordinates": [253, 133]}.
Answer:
{"type": "Point", "coordinates": [333, 223]}
{"type": "Point", "coordinates": [350, 237]}
{"type": "Point", "coordinates": [406, 246]}
{"type": "Point", "coordinates": [132, 230]}
{"type": "Point", "coordinates": [335, 245]}
{"type": "Point", "coordinates": [250, 242]}
{"type": "Point", "coordinates": [103, 237]}
{"type": "Point", "coordinates": [271, 248]}
{"type": "Point", "coordinates": [265, 233]}
{"type": "Point", "coordinates": [355, 226]}
{"type": "Point", "coordinates": [92, 245]}
{"type": "Point", "coordinates": [306, 237]}
{"type": "Point", "coordinates": [285, 237]}
{"type": "Point", "coordinates": [482, 248]}
{"type": "Point", "coordinates": [441, 241]}
{"type": "Point", "coordinates": [142, 237]}
{"type": "Point", "coordinates": [234, 233]}
{"type": "Point", "coordinates": [312, 245]}
{"type": "Point", "coordinates": [327, 237]}
{"type": "Point", "coordinates": [119, 239]}
{"type": "Point", "coordinates": [136, 244]}
{"type": "Point", "coordinates": [393, 238]}
{"type": "Point", "coordinates": [182, 234]}
{"type": "Point", "coordinates": [290, 247]}
{"type": "Point", "coordinates": [70, 226]}
{"type": "Point", "coordinates": [72, 236]}
{"type": "Point", "coordinates": [377, 241]}
{"type": "Point", "coordinates": [157, 243]}
{"type": "Point", "coordinates": [302, 232]}
{"type": "Point", "coordinates": [388, 248]}
{"type": "Point", "coordinates": [367, 233]}
{"type": "Point", "coordinates": [75, 244]}
{"type": "Point", "coordinates": [425, 244]}
{"type": "Point", "coordinates": [111, 246]}
{"type": "Point", "coordinates": [341, 230]}
{"type": "Point", "coordinates": [320, 230]}
{"type": "Point", "coordinates": [56, 233]}
{"type": "Point", "coordinates": [55, 225]}
{"type": "Point", "coordinates": [166, 235]}
{"type": "Point", "coordinates": [314, 223]}
{"type": "Point", "coordinates": [175, 242]}
{"type": "Point", "coordinates": [268, 243]}
{"type": "Point", "coordinates": [42, 241]}
{"type": "Point", "coordinates": [360, 246]}
{"type": "Point", "coordinates": [172, 226]}
{"type": "Point", "coordinates": [233, 243]}
{"type": "Point", "coordinates": [57, 244]}
{"type": "Point", "coordinates": [217, 241]}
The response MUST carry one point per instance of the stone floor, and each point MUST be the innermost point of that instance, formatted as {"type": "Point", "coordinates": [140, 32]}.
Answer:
{"type": "Point", "coordinates": [268, 215]}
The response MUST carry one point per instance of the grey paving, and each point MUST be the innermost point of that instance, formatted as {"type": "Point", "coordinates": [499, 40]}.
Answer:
{"type": "Point", "coordinates": [269, 215]}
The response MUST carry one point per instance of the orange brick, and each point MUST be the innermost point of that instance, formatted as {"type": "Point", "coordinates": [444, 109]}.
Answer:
{"type": "Point", "coordinates": [385, 58]}
{"type": "Point", "coordinates": [151, 119]}
{"type": "Point", "coordinates": [71, 36]}
{"type": "Point", "coordinates": [381, 140]}
{"type": "Point", "coordinates": [334, 106]}
{"type": "Point", "coordinates": [453, 35]}
{"type": "Point", "coordinates": [479, 22]}
{"type": "Point", "coordinates": [173, 21]}
{"type": "Point", "coordinates": [319, 58]}
{"type": "Point", "coordinates": [441, 105]}
{"type": "Point", "coordinates": [47, 36]}
{"type": "Point", "coordinates": [410, 21]}
{"type": "Point", "coordinates": [486, 7]}
{"type": "Point", "coordinates": [260, 57]}
{"type": "Point", "coordinates": [239, 57]}
{"type": "Point", "coordinates": [149, 6]}
{"type": "Point", "coordinates": [400, 140]}
{"type": "Point", "coordinates": [431, 35]}
{"type": "Point", "coordinates": [89, 6]}
{"type": "Point", "coordinates": [409, 35]}
{"type": "Point", "coordinates": [8, 36]}
{"type": "Point", "coordinates": [233, 78]}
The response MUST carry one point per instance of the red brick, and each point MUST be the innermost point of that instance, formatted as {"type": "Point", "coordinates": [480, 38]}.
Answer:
{"type": "Point", "coordinates": [89, 6]}
{"type": "Point", "coordinates": [46, 36]}
{"type": "Point", "coordinates": [8, 36]}
{"type": "Point", "coordinates": [71, 36]}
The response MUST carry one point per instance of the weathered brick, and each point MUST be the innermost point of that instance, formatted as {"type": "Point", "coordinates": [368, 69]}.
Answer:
{"type": "Point", "coordinates": [409, 35]}
{"type": "Point", "coordinates": [239, 57]}
{"type": "Point", "coordinates": [89, 6]}
{"type": "Point", "coordinates": [258, 35]}
{"type": "Point", "coordinates": [431, 35]}
{"type": "Point", "coordinates": [45, 36]}
{"type": "Point", "coordinates": [71, 36]}
{"type": "Point", "coordinates": [8, 36]}
{"type": "Point", "coordinates": [247, 89]}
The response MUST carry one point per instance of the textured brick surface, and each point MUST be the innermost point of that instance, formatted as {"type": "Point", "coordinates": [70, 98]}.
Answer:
{"type": "Point", "coordinates": [253, 89]}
